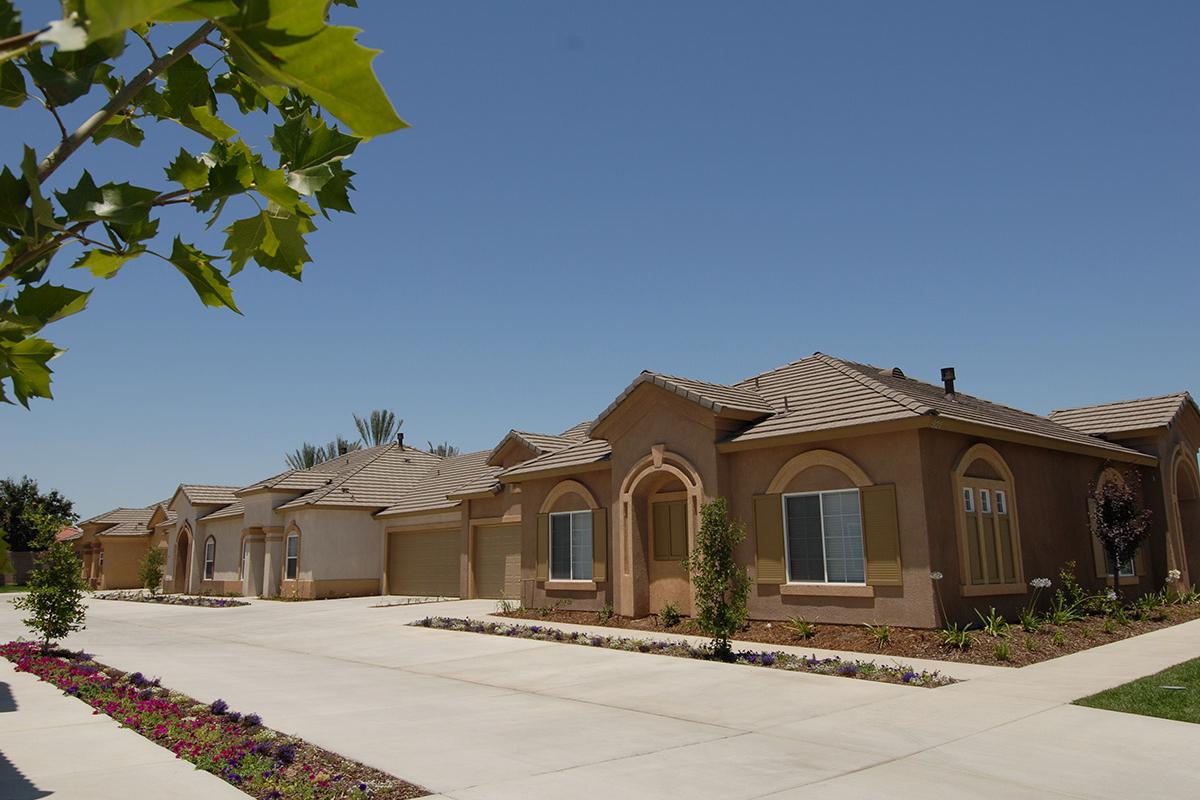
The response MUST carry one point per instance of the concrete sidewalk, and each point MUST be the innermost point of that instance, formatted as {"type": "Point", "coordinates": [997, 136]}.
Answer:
{"type": "Point", "coordinates": [52, 745]}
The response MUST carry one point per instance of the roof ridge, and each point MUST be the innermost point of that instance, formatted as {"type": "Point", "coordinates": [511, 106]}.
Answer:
{"type": "Point", "coordinates": [340, 478]}
{"type": "Point", "coordinates": [912, 404]}
{"type": "Point", "coordinates": [1181, 395]}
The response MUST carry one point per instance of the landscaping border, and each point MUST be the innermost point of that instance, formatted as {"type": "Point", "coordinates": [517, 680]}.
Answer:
{"type": "Point", "coordinates": [772, 659]}
{"type": "Point", "coordinates": [195, 600]}
{"type": "Point", "coordinates": [237, 748]}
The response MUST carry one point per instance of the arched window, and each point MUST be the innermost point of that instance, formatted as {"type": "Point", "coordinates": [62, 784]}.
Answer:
{"type": "Point", "coordinates": [210, 557]}
{"type": "Point", "coordinates": [989, 545]}
{"type": "Point", "coordinates": [292, 563]}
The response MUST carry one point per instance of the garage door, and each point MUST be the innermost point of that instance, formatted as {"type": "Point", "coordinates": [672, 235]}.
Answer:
{"type": "Point", "coordinates": [423, 563]}
{"type": "Point", "coordinates": [498, 562]}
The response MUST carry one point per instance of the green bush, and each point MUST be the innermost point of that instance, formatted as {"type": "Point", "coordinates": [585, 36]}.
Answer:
{"type": "Point", "coordinates": [882, 634]}
{"type": "Point", "coordinates": [1001, 651]}
{"type": "Point", "coordinates": [722, 586]}
{"type": "Point", "coordinates": [669, 617]}
{"type": "Point", "coordinates": [956, 637]}
{"type": "Point", "coordinates": [55, 599]}
{"type": "Point", "coordinates": [605, 613]}
{"type": "Point", "coordinates": [801, 627]}
{"type": "Point", "coordinates": [150, 569]}
{"type": "Point", "coordinates": [994, 624]}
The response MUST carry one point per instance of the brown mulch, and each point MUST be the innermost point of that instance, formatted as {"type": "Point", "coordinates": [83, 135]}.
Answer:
{"type": "Point", "coordinates": [1051, 641]}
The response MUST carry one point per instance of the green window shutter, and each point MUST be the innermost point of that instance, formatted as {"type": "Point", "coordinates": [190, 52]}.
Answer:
{"type": "Point", "coordinates": [543, 547]}
{"type": "Point", "coordinates": [599, 544]}
{"type": "Point", "coordinates": [662, 530]}
{"type": "Point", "coordinates": [679, 529]}
{"type": "Point", "coordinates": [881, 535]}
{"type": "Point", "coordinates": [768, 538]}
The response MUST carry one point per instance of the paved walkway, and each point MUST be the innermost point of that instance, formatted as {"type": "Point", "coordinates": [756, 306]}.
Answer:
{"type": "Point", "coordinates": [489, 717]}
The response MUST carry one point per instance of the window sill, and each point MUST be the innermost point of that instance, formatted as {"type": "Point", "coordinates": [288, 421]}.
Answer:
{"type": "Point", "coordinates": [993, 589]}
{"type": "Point", "coordinates": [1126, 580]}
{"type": "Point", "coordinates": [827, 589]}
{"type": "Point", "coordinates": [571, 586]}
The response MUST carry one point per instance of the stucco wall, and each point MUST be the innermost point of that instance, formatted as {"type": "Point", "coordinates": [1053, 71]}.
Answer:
{"type": "Point", "coordinates": [122, 555]}
{"type": "Point", "coordinates": [227, 533]}
{"type": "Point", "coordinates": [337, 544]}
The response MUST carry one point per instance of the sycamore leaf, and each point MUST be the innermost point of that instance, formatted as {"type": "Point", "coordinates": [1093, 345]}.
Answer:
{"type": "Point", "coordinates": [14, 193]}
{"type": "Point", "coordinates": [292, 45]}
{"type": "Point", "coordinates": [197, 10]}
{"type": "Point", "coordinates": [25, 362]}
{"type": "Point", "coordinates": [273, 185]}
{"type": "Point", "coordinates": [211, 286]}
{"type": "Point", "coordinates": [306, 141]}
{"type": "Point", "coordinates": [47, 303]}
{"type": "Point", "coordinates": [62, 85]}
{"type": "Point", "coordinates": [188, 171]}
{"type": "Point", "coordinates": [109, 17]}
{"type": "Point", "coordinates": [12, 85]}
{"type": "Point", "coordinates": [274, 242]}
{"type": "Point", "coordinates": [104, 264]}
{"type": "Point", "coordinates": [204, 121]}
{"type": "Point", "coordinates": [245, 238]}
{"type": "Point", "coordinates": [119, 127]}
{"type": "Point", "coordinates": [43, 211]}
{"type": "Point", "coordinates": [10, 20]}
{"type": "Point", "coordinates": [121, 203]}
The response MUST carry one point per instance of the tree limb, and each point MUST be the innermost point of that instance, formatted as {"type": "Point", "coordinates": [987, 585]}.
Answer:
{"type": "Point", "coordinates": [120, 100]}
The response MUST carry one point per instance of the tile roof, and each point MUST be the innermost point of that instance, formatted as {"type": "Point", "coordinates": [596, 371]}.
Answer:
{"type": "Point", "coordinates": [199, 494]}
{"type": "Point", "coordinates": [825, 393]}
{"type": "Point", "coordinates": [578, 432]}
{"type": "Point", "coordinates": [591, 451]}
{"type": "Point", "coordinates": [1126, 415]}
{"type": "Point", "coordinates": [234, 509]}
{"type": "Point", "coordinates": [377, 482]}
{"type": "Point", "coordinates": [169, 519]}
{"type": "Point", "coordinates": [306, 480]}
{"type": "Point", "coordinates": [68, 534]}
{"type": "Point", "coordinates": [430, 492]}
{"type": "Point", "coordinates": [123, 521]}
{"type": "Point", "coordinates": [537, 442]}
{"type": "Point", "coordinates": [717, 397]}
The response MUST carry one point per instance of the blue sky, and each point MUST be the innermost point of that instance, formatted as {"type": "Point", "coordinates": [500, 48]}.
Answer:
{"type": "Point", "coordinates": [705, 189]}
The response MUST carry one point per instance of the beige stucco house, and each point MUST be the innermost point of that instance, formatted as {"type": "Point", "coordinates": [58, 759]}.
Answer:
{"type": "Point", "coordinates": [111, 545]}
{"type": "Point", "coordinates": [855, 484]}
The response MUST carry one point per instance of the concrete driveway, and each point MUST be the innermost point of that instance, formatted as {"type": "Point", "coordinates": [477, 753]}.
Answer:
{"type": "Point", "coordinates": [474, 716]}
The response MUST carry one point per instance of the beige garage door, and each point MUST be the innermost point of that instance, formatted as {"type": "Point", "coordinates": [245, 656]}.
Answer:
{"type": "Point", "coordinates": [423, 563]}
{"type": "Point", "coordinates": [498, 562]}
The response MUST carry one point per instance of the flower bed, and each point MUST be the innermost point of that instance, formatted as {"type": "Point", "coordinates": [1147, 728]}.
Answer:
{"type": "Point", "coordinates": [845, 668]}
{"type": "Point", "coordinates": [203, 601]}
{"type": "Point", "coordinates": [260, 761]}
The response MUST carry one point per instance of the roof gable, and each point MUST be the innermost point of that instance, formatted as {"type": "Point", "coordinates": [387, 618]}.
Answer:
{"type": "Point", "coordinates": [375, 483]}
{"type": "Point", "coordinates": [534, 443]}
{"type": "Point", "coordinates": [724, 401]}
{"type": "Point", "coordinates": [1127, 416]}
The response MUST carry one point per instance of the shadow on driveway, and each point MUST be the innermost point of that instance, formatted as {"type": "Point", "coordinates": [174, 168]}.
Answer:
{"type": "Point", "coordinates": [13, 784]}
{"type": "Point", "coordinates": [7, 702]}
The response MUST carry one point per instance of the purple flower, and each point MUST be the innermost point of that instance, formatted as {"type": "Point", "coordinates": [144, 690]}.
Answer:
{"type": "Point", "coordinates": [362, 787]}
{"type": "Point", "coordinates": [286, 754]}
{"type": "Point", "coordinates": [218, 706]}
{"type": "Point", "coordinates": [137, 679]}
{"type": "Point", "coordinates": [768, 659]}
{"type": "Point", "coordinates": [233, 716]}
{"type": "Point", "coordinates": [252, 720]}
{"type": "Point", "coordinates": [909, 676]}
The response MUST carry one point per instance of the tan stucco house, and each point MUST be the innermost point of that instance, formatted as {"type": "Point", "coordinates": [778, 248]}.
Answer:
{"type": "Point", "coordinates": [111, 545]}
{"type": "Point", "coordinates": [855, 484]}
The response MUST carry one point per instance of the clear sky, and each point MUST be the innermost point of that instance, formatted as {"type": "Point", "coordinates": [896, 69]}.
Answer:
{"type": "Point", "coordinates": [704, 189]}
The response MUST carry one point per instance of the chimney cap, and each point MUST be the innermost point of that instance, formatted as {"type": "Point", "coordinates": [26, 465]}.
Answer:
{"type": "Point", "coordinates": [947, 373]}
{"type": "Point", "coordinates": [948, 381]}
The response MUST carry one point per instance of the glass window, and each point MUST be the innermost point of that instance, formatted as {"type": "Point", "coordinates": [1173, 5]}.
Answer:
{"type": "Point", "coordinates": [571, 546]}
{"type": "Point", "coordinates": [1001, 502]}
{"type": "Point", "coordinates": [968, 500]}
{"type": "Point", "coordinates": [824, 537]}
{"type": "Point", "coordinates": [985, 501]}
{"type": "Point", "coordinates": [292, 567]}
{"type": "Point", "coordinates": [210, 557]}
{"type": "Point", "coordinates": [245, 557]}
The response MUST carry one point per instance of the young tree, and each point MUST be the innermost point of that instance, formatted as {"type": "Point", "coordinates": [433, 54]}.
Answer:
{"type": "Point", "coordinates": [23, 508]}
{"type": "Point", "coordinates": [722, 585]}
{"type": "Point", "coordinates": [150, 568]}
{"type": "Point", "coordinates": [54, 602]}
{"type": "Point", "coordinates": [1121, 525]}
{"type": "Point", "coordinates": [279, 58]}
{"type": "Point", "coordinates": [378, 427]}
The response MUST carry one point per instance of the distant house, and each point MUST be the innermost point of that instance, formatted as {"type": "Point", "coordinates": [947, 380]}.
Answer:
{"type": "Point", "coordinates": [855, 482]}
{"type": "Point", "coordinates": [111, 546]}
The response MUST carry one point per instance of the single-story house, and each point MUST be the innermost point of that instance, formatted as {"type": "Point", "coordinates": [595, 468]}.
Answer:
{"type": "Point", "coordinates": [111, 545]}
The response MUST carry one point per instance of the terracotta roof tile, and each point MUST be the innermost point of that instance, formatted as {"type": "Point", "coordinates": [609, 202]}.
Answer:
{"type": "Point", "coordinates": [1125, 415]}
{"type": "Point", "coordinates": [375, 483]}
{"type": "Point", "coordinates": [585, 453]}
{"type": "Point", "coordinates": [199, 494]}
{"type": "Point", "coordinates": [234, 509]}
{"type": "Point", "coordinates": [430, 492]}
{"type": "Point", "coordinates": [717, 397]}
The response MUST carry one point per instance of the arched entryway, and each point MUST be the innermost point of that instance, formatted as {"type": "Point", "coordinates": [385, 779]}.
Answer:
{"type": "Point", "coordinates": [183, 559]}
{"type": "Point", "coordinates": [659, 514]}
{"type": "Point", "coordinates": [1185, 491]}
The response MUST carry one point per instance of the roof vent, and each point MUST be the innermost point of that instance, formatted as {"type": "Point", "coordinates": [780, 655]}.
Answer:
{"type": "Point", "coordinates": [894, 372]}
{"type": "Point", "coordinates": [400, 439]}
{"type": "Point", "coordinates": [948, 381]}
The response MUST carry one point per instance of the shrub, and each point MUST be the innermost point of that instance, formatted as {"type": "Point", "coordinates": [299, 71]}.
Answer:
{"type": "Point", "coordinates": [994, 624]}
{"type": "Point", "coordinates": [669, 617]}
{"type": "Point", "coordinates": [1110, 625]}
{"type": "Point", "coordinates": [957, 637]}
{"type": "Point", "coordinates": [722, 586]}
{"type": "Point", "coordinates": [605, 613]}
{"type": "Point", "coordinates": [1121, 524]}
{"type": "Point", "coordinates": [1059, 638]}
{"type": "Point", "coordinates": [882, 634]}
{"type": "Point", "coordinates": [55, 599]}
{"type": "Point", "coordinates": [150, 569]}
{"type": "Point", "coordinates": [1030, 644]}
{"type": "Point", "coordinates": [1001, 651]}
{"type": "Point", "coordinates": [505, 606]}
{"type": "Point", "coordinates": [1030, 623]}
{"type": "Point", "coordinates": [801, 627]}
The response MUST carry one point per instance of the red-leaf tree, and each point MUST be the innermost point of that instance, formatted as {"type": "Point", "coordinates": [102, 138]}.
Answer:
{"type": "Point", "coordinates": [1121, 524]}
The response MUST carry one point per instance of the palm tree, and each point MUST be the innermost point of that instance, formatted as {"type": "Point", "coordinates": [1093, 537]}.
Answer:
{"type": "Point", "coordinates": [379, 427]}
{"type": "Point", "coordinates": [308, 455]}
{"type": "Point", "coordinates": [340, 446]}
{"type": "Point", "coordinates": [445, 449]}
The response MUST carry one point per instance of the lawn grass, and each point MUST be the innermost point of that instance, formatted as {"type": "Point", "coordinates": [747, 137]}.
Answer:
{"type": "Point", "coordinates": [1146, 695]}
{"type": "Point", "coordinates": [7, 589]}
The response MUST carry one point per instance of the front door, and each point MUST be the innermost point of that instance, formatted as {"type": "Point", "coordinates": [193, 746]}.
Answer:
{"type": "Point", "coordinates": [182, 556]}
{"type": "Point", "coordinates": [668, 547]}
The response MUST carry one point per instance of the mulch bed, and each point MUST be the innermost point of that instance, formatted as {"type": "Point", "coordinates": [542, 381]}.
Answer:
{"type": "Point", "coordinates": [1051, 641]}
{"type": "Point", "coordinates": [199, 601]}
{"type": "Point", "coordinates": [238, 748]}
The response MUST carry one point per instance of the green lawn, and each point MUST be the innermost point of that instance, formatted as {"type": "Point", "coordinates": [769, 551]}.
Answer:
{"type": "Point", "coordinates": [5, 589]}
{"type": "Point", "coordinates": [1146, 695]}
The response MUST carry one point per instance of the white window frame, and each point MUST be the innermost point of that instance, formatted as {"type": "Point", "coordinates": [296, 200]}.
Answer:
{"type": "Point", "coordinates": [289, 559]}
{"type": "Point", "coordinates": [787, 545]}
{"type": "Point", "coordinates": [1001, 502]}
{"type": "Point", "coordinates": [550, 546]}
{"type": "Point", "coordinates": [985, 501]}
{"type": "Point", "coordinates": [245, 557]}
{"type": "Point", "coordinates": [210, 558]}
{"type": "Point", "coordinates": [969, 498]}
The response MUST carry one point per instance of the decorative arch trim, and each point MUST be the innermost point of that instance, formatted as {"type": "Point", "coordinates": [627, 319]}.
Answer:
{"type": "Point", "coordinates": [817, 458]}
{"type": "Point", "coordinates": [563, 488]}
{"type": "Point", "coordinates": [987, 453]}
{"type": "Point", "coordinates": [1110, 474]}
